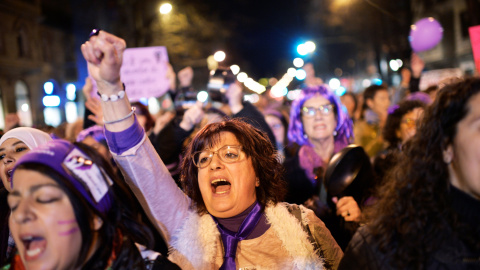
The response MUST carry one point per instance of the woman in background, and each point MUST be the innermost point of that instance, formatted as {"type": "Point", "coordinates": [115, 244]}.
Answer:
{"type": "Point", "coordinates": [13, 145]}
{"type": "Point", "coordinates": [428, 212]}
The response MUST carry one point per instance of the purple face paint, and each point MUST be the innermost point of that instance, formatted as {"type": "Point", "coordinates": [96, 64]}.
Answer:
{"type": "Point", "coordinates": [67, 221]}
{"type": "Point", "coordinates": [71, 231]}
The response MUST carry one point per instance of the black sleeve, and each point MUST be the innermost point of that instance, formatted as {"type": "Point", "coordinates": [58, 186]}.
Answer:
{"type": "Point", "coordinates": [414, 85]}
{"type": "Point", "coordinates": [252, 116]}
{"type": "Point", "coordinates": [360, 253]}
{"type": "Point", "coordinates": [87, 122]}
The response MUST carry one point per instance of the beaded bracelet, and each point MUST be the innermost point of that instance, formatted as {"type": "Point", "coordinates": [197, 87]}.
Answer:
{"type": "Point", "coordinates": [121, 119]}
{"type": "Point", "coordinates": [115, 97]}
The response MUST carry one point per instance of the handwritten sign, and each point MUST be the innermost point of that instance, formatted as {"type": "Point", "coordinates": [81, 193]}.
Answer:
{"type": "Point", "coordinates": [475, 41]}
{"type": "Point", "coordinates": [144, 72]}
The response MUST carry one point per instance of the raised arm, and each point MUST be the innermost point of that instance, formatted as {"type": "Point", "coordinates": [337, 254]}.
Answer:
{"type": "Point", "coordinates": [144, 171]}
{"type": "Point", "coordinates": [104, 55]}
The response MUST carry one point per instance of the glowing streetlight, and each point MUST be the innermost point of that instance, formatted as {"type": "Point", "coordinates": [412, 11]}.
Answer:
{"type": "Point", "coordinates": [219, 56]}
{"type": "Point", "coordinates": [165, 8]}
{"type": "Point", "coordinates": [300, 74]}
{"type": "Point", "coordinates": [334, 83]}
{"type": "Point", "coordinates": [298, 62]}
{"type": "Point", "coordinates": [235, 69]}
{"type": "Point", "coordinates": [242, 76]}
{"type": "Point", "coordinates": [310, 46]}
{"type": "Point", "coordinates": [291, 72]}
{"type": "Point", "coordinates": [302, 49]}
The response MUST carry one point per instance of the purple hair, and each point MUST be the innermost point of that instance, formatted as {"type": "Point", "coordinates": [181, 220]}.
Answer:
{"type": "Point", "coordinates": [344, 126]}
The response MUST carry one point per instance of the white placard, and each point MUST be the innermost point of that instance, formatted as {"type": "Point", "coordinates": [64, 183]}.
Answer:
{"type": "Point", "coordinates": [144, 72]}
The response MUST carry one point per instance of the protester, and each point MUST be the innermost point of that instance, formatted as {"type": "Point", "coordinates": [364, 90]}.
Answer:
{"type": "Point", "coordinates": [239, 189]}
{"type": "Point", "coordinates": [13, 145]}
{"type": "Point", "coordinates": [69, 211]}
{"type": "Point", "coordinates": [375, 110]}
{"type": "Point", "coordinates": [349, 100]}
{"type": "Point", "coordinates": [278, 123]}
{"type": "Point", "coordinates": [400, 127]}
{"type": "Point", "coordinates": [321, 128]}
{"type": "Point", "coordinates": [428, 213]}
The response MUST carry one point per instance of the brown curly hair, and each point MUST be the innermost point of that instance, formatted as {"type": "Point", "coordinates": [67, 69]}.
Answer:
{"type": "Point", "coordinates": [413, 210]}
{"type": "Point", "coordinates": [255, 144]}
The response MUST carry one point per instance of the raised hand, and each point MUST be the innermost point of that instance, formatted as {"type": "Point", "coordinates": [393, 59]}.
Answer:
{"type": "Point", "coordinates": [192, 116]}
{"type": "Point", "coordinates": [104, 55]}
{"type": "Point", "coordinates": [417, 65]}
{"type": "Point", "coordinates": [348, 208]}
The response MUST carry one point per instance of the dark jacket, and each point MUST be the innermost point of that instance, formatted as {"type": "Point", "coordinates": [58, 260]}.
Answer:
{"type": "Point", "coordinates": [460, 248]}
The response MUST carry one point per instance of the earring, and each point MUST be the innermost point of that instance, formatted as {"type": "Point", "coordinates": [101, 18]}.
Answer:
{"type": "Point", "coordinates": [334, 133]}
{"type": "Point", "coordinates": [447, 159]}
{"type": "Point", "coordinates": [305, 136]}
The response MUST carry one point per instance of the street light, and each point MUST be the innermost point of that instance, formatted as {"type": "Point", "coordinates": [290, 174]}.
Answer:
{"type": "Point", "coordinates": [298, 62]}
{"type": "Point", "coordinates": [310, 46]}
{"type": "Point", "coordinates": [165, 8]}
{"type": "Point", "coordinates": [219, 56]}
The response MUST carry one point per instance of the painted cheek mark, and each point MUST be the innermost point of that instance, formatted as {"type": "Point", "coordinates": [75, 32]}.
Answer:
{"type": "Point", "coordinates": [61, 222]}
{"type": "Point", "coordinates": [69, 232]}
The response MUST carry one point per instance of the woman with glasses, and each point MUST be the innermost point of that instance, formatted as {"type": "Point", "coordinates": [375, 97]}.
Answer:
{"type": "Point", "coordinates": [321, 127]}
{"type": "Point", "coordinates": [231, 216]}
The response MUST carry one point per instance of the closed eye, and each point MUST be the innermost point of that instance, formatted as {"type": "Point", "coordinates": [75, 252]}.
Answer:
{"type": "Point", "coordinates": [47, 200]}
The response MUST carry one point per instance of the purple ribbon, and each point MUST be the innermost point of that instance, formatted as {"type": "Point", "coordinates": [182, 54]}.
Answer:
{"type": "Point", "coordinates": [230, 239]}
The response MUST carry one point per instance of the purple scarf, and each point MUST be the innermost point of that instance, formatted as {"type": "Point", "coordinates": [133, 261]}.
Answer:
{"type": "Point", "coordinates": [230, 239]}
{"type": "Point", "coordinates": [309, 160]}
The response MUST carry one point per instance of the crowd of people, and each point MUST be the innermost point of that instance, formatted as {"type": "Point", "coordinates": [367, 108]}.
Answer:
{"type": "Point", "coordinates": [379, 180]}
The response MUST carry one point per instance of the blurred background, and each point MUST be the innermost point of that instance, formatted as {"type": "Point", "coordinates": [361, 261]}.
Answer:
{"type": "Point", "coordinates": [350, 43]}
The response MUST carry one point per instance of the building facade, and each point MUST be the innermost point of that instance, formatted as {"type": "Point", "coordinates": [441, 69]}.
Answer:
{"type": "Point", "coordinates": [31, 53]}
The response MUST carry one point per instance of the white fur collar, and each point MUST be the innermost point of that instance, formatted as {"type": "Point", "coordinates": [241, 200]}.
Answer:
{"type": "Point", "coordinates": [195, 243]}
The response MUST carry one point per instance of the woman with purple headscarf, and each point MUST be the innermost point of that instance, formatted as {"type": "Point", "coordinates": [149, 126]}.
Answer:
{"type": "Point", "coordinates": [321, 127]}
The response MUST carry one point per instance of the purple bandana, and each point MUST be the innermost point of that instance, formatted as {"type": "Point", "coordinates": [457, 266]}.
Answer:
{"type": "Point", "coordinates": [309, 160]}
{"type": "Point", "coordinates": [75, 166]}
{"type": "Point", "coordinates": [230, 239]}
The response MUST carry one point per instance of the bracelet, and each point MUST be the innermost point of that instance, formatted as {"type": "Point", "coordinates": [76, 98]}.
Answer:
{"type": "Point", "coordinates": [115, 97]}
{"type": "Point", "coordinates": [121, 119]}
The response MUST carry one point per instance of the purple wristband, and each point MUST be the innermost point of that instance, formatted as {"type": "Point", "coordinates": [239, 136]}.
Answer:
{"type": "Point", "coordinates": [119, 142]}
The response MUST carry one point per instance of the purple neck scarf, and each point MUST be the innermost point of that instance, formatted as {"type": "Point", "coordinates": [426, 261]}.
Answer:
{"type": "Point", "coordinates": [230, 239]}
{"type": "Point", "coordinates": [309, 160]}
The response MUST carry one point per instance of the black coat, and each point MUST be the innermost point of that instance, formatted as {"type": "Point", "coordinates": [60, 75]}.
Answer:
{"type": "Point", "coordinates": [460, 248]}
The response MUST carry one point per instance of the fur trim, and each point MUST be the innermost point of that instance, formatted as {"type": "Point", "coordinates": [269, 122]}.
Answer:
{"type": "Point", "coordinates": [194, 244]}
{"type": "Point", "coordinates": [294, 238]}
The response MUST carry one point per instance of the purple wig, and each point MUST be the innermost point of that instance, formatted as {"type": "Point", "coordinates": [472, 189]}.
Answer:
{"type": "Point", "coordinates": [344, 127]}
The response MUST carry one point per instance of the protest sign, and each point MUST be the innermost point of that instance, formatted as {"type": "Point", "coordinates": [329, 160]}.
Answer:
{"type": "Point", "coordinates": [144, 72]}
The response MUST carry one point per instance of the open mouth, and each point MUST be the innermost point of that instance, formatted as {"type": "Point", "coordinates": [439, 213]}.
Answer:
{"type": "Point", "coordinates": [34, 245]}
{"type": "Point", "coordinates": [9, 175]}
{"type": "Point", "coordinates": [220, 186]}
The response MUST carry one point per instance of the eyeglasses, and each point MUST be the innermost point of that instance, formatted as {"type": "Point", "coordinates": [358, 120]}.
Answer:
{"type": "Point", "coordinates": [409, 122]}
{"type": "Point", "coordinates": [227, 154]}
{"type": "Point", "coordinates": [323, 109]}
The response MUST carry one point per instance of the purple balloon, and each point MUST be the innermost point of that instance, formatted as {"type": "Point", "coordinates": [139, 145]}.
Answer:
{"type": "Point", "coordinates": [425, 34]}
